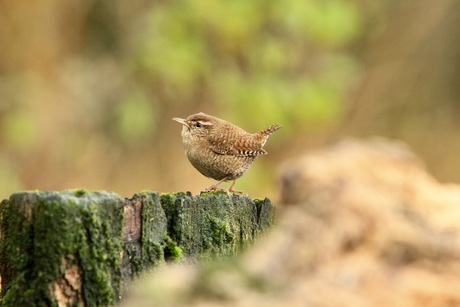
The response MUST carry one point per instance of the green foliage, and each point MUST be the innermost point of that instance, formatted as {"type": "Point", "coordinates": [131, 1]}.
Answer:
{"type": "Point", "coordinates": [124, 66]}
{"type": "Point", "coordinates": [134, 117]}
{"type": "Point", "coordinates": [330, 22]}
{"type": "Point", "coordinates": [19, 129]}
{"type": "Point", "coordinates": [264, 57]}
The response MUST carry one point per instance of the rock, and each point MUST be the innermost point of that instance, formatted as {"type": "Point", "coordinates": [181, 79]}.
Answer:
{"type": "Point", "coordinates": [363, 224]}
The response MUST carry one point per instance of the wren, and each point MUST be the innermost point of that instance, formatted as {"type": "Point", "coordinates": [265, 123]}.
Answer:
{"type": "Point", "coordinates": [219, 149]}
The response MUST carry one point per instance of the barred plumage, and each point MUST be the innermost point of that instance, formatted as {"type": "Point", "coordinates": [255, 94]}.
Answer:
{"type": "Point", "coordinates": [219, 149]}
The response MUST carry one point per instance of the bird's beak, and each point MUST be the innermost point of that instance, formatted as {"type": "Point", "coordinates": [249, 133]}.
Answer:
{"type": "Point", "coordinates": [181, 121]}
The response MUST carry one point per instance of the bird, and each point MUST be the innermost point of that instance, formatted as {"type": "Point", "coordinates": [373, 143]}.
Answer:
{"type": "Point", "coordinates": [221, 150]}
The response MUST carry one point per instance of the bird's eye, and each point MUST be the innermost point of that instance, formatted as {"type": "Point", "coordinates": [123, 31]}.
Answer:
{"type": "Point", "coordinates": [198, 125]}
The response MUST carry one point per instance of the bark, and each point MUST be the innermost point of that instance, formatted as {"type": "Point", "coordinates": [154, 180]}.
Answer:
{"type": "Point", "coordinates": [83, 248]}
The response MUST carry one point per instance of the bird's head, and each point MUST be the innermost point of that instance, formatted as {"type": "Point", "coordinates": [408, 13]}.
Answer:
{"type": "Point", "coordinates": [196, 126]}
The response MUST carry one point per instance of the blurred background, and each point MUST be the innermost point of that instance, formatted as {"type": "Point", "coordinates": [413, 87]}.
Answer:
{"type": "Point", "coordinates": [88, 88]}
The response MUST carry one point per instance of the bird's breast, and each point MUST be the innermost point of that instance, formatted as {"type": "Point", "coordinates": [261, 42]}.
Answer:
{"type": "Point", "coordinates": [214, 165]}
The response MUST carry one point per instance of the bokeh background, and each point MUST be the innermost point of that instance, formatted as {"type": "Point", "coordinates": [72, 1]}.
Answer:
{"type": "Point", "coordinates": [88, 87]}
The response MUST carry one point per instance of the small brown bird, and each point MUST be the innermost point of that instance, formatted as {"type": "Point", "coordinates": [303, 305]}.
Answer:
{"type": "Point", "coordinates": [219, 149]}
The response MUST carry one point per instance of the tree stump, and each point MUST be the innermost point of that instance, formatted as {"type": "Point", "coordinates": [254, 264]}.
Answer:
{"type": "Point", "coordinates": [83, 248]}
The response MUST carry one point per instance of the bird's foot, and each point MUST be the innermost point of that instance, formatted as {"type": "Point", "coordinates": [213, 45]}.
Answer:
{"type": "Point", "coordinates": [228, 191]}
{"type": "Point", "coordinates": [236, 191]}
{"type": "Point", "coordinates": [231, 190]}
{"type": "Point", "coordinates": [214, 188]}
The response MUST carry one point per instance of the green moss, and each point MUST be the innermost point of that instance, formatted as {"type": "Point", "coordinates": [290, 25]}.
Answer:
{"type": "Point", "coordinates": [172, 252]}
{"type": "Point", "coordinates": [79, 192]}
{"type": "Point", "coordinates": [45, 233]}
{"type": "Point", "coordinates": [214, 193]}
{"type": "Point", "coordinates": [153, 229]}
{"type": "Point", "coordinates": [83, 230]}
{"type": "Point", "coordinates": [265, 216]}
{"type": "Point", "coordinates": [212, 224]}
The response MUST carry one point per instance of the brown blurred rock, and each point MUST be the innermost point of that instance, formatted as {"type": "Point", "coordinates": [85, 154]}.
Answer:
{"type": "Point", "coordinates": [366, 226]}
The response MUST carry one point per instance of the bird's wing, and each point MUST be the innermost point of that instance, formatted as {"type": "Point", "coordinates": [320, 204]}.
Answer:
{"type": "Point", "coordinates": [246, 145]}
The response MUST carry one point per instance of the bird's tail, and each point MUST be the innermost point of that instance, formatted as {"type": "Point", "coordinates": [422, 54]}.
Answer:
{"type": "Point", "coordinates": [262, 135]}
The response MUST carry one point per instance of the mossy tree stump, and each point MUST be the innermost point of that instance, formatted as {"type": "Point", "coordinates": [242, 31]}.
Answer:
{"type": "Point", "coordinates": [83, 248]}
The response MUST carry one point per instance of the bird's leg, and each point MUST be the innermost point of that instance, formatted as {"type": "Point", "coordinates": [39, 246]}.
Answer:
{"type": "Point", "coordinates": [215, 185]}
{"type": "Point", "coordinates": [235, 191]}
